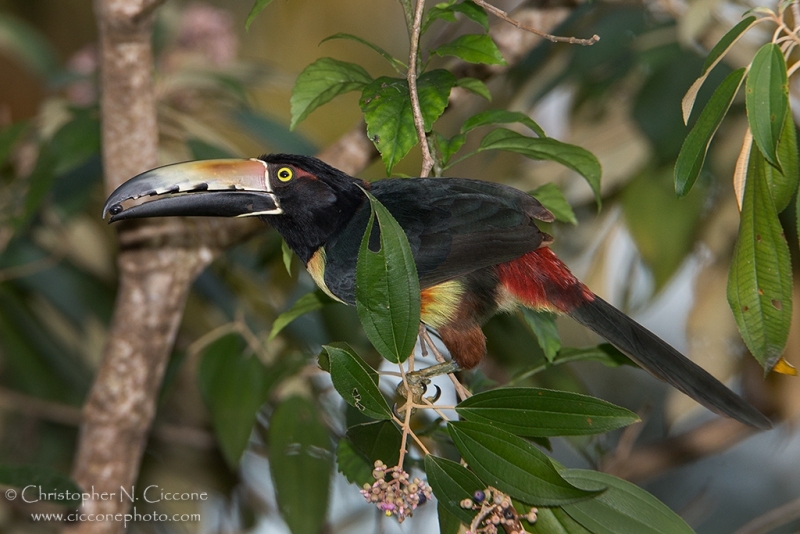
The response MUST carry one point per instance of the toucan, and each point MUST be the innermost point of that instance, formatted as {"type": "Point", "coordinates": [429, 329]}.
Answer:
{"type": "Point", "coordinates": [476, 245]}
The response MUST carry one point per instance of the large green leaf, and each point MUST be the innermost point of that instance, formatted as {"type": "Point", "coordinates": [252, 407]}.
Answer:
{"type": "Point", "coordinates": [309, 302]}
{"type": "Point", "coordinates": [356, 381]}
{"type": "Point", "coordinates": [321, 82]}
{"type": "Point", "coordinates": [451, 483]}
{"type": "Point", "coordinates": [556, 521]}
{"type": "Point", "coordinates": [760, 279]}
{"type": "Point", "coordinates": [234, 386]}
{"type": "Point", "coordinates": [353, 464]}
{"type": "Point", "coordinates": [475, 86]}
{"type": "Point", "coordinates": [473, 48]}
{"type": "Point", "coordinates": [380, 440]}
{"type": "Point", "coordinates": [300, 460]}
{"type": "Point", "coordinates": [387, 286]}
{"type": "Point", "coordinates": [512, 465]}
{"type": "Point", "coordinates": [693, 152]}
{"type": "Point", "coordinates": [622, 507]}
{"type": "Point", "coordinates": [767, 99]}
{"type": "Point", "coordinates": [536, 412]}
{"type": "Point", "coordinates": [386, 104]}
{"type": "Point", "coordinates": [39, 483]}
{"type": "Point", "coordinates": [576, 158]}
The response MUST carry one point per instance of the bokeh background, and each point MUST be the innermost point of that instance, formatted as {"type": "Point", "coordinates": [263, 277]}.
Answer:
{"type": "Point", "coordinates": [225, 91]}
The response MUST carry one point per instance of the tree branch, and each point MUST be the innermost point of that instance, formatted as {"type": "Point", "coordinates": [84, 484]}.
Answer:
{"type": "Point", "coordinates": [411, 77]}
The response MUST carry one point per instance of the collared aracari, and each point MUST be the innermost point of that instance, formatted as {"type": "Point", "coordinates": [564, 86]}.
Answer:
{"type": "Point", "coordinates": [476, 246]}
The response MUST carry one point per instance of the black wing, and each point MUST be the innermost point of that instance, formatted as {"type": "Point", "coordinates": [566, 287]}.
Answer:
{"type": "Point", "coordinates": [454, 226]}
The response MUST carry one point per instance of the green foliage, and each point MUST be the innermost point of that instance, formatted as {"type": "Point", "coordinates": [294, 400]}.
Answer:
{"type": "Point", "coordinates": [767, 99]}
{"type": "Point", "coordinates": [473, 48]}
{"type": "Point", "coordinates": [387, 286]}
{"type": "Point", "coordinates": [355, 381]}
{"type": "Point", "coordinates": [309, 302]}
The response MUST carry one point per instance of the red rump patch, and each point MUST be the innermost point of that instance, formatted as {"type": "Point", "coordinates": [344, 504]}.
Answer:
{"type": "Point", "coordinates": [542, 281]}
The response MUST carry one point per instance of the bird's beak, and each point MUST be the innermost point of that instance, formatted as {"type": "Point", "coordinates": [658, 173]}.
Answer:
{"type": "Point", "coordinates": [212, 188]}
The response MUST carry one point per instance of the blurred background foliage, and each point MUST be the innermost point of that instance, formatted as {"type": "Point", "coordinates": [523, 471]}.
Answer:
{"type": "Point", "coordinates": [223, 91]}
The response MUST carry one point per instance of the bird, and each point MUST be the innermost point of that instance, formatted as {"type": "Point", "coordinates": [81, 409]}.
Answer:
{"type": "Point", "coordinates": [476, 245]}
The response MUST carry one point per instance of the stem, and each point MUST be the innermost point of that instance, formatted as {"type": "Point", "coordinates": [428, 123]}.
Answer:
{"type": "Point", "coordinates": [550, 37]}
{"type": "Point", "coordinates": [411, 77]}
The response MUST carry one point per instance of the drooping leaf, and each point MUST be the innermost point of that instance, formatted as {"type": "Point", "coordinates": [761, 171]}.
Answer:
{"type": "Point", "coordinates": [258, 7]}
{"type": "Point", "coordinates": [474, 85]}
{"type": "Point", "coordinates": [783, 181]}
{"type": "Point", "coordinates": [352, 463]}
{"type": "Point", "coordinates": [693, 152]}
{"type": "Point", "coordinates": [622, 507]}
{"type": "Point", "coordinates": [321, 82]}
{"type": "Point", "coordinates": [300, 456]}
{"type": "Point", "coordinates": [309, 302]}
{"type": "Point", "coordinates": [760, 279]}
{"type": "Point", "coordinates": [387, 287]}
{"type": "Point", "coordinates": [473, 48]}
{"type": "Point", "coordinates": [234, 386]}
{"type": "Point", "coordinates": [35, 479]}
{"type": "Point", "coordinates": [574, 157]}
{"type": "Point", "coordinates": [356, 381]}
{"type": "Point", "coordinates": [553, 199]}
{"type": "Point", "coordinates": [451, 483]}
{"type": "Point", "coordinates": [544, 327]}
{"type": "Point", "coordinates": [536, 412]}
{"type": "Point", "coordinates": [500, 116]}
{"type": "Point", "coordinates": [767, 99]}
{"type": "Point", "coordinates": [394, 62]}
{"type": "Point", "coordinates": [714, 57]}
{"type": "Point", "coordinates": [512, 465]}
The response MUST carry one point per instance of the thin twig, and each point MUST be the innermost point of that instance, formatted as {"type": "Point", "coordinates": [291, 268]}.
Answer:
{"type": "Point", "coordinates": [411, 76]}
{"type": "Point", "coordinates": [550, 37]}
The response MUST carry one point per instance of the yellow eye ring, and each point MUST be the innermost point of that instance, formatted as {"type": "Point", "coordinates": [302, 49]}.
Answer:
{"type": "Point", "coordinates": [285, 174]}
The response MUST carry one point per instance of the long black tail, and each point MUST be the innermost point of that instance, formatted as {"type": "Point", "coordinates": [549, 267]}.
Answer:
{"type": "Point", "coordinates": [664, 362]}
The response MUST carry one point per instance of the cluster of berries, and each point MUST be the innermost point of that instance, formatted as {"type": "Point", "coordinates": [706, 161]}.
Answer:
{"type": "Point", "coordinates": [495, 510]}
{"type": "Point", "coordinates": [398, 496]}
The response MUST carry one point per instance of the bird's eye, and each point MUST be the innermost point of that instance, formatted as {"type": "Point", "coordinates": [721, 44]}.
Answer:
{"type": "Point", "coordinates": [285, 174]}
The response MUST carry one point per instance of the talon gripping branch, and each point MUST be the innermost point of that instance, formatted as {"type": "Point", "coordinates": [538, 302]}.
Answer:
{"type": "Point", "coordinates": [476, 246]}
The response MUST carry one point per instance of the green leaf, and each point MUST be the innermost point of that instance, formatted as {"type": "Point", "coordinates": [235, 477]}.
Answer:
{"type": "Point", "coordinates": [622, 507]}
{"type": "Point", "coordinates": [448, 523]}
{"type": "Point", "coordinates": [234, 386]}
{"type": "Point", "coordinates": [512, 465]}
{"type": "Point", "coordinates": [555, 521]}
{"type": "Point", "coordinates": [9, 137]}
{"type": "Point", "coordinates": [500, 116]}
{"type": "Point", "coordinates": [545, 329]}
{"type": "Point", "coordinates": [395, 63]}
{"type": "Point", "coordinates": [309, 302]}
{"type": "Point", "coordinates": [552, 198]}
{"type": "Point", "coordinates": [767, 99]}
{"type": "Point", "coordinates": [286, 256]}
{"type": "Point", "coordinates": [474, 85]}
{"type": "Point", "coordinates": [473, 48]}
{"type": "Point", "coordinates": [536, 412]}
{"type": "Point", "coordinates": [321, 82]}
{"type": "Point", "coordinates": [783, 181]}
{"type": "Point", "coordinates": [386, 104]}
{"type": "Point", "coordinates": [76, 142]}
{"type": "Point", "coordinates": [300, 459]}
{"type": "Point", "coordinates": [760, 279]}
{"type": "Point", "coordinates": [35, 479]}
{"type": "Point", "coordinates": [387, 286]}
{"type": "Point", "coordinates": [380, 440]}
{"type": "Point", "coordinates": [448, 147]}
{"type": "Point", "coordinates": [356, 381]}
{"type": "Point", "coordinates": [574, 157]}
{"type": "Point", "coordinates": [258, 7]}
{"type": "Point", "coordinates": [693, 152]}
{"type": "Point", "coordinates": [447, 10]}
{"type": "Point", "coordinates": [353, 464]}
{"type": "Point", "coordinates": [451, 483]}
{"type": "Point", "coordinates": [714, 57]}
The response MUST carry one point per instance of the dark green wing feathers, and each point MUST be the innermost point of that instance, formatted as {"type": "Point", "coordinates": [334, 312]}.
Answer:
{"type": "Point", "coordinates": [454, 226]}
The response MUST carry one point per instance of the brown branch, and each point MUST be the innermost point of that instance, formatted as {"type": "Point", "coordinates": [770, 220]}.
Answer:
{"type": "Point", "coordinates": [649, 461]}
{"type": "Point", "coordinates": [550, 37]}
{"type": "Point", "coordinates": [411, 77]}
